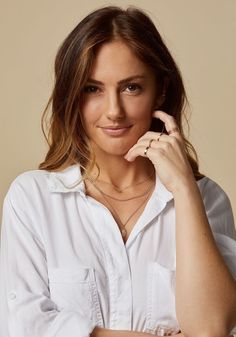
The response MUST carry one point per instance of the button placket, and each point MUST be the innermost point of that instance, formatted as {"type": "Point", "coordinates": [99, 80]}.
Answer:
{"type": "Point", "coordinates": [117, 267]}
{"type": "Point", "coordinates": [120, 286]}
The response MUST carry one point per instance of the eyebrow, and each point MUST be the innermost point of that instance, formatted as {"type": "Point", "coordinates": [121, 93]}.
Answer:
{"type": "Point", "coordinates": [125, 80]}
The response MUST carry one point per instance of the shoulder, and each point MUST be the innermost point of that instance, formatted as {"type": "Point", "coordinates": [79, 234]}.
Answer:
{"type": "Point", "coordinates": [26, 201]}
{"type": "Point", "coordinates": [207, 183]}
{"type": "Point", "coordinates": [218, 207]}
{"type": "Point", "coordinates": [27, 184]}
{"type": "Point", "coordinates": [212, 193]}
{"type": "Point", "coordinates": [43, 184]}
{"type": "Point", "coordinates": [30, 178]}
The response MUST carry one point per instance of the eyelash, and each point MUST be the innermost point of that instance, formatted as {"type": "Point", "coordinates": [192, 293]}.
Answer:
{"type": "Point", "coordinates": [138, 87]}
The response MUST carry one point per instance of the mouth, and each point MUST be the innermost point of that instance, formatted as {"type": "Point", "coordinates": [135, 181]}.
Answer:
{"type": "Point", "coordinates": [116, 126]}
{"type": "Point", "coordinates": [116, 130]}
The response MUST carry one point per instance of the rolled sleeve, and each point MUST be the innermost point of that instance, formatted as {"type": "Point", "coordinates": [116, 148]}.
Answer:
{"type": "Point", "coordinates": [26, 308]}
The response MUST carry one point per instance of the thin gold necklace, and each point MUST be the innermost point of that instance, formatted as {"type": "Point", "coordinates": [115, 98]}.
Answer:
{"type": "Point", "coordinates": [108, 195]}
{"type": "Point", "coordinates": [119, 190]}
{"type": "Point", "coordinates": [124, 230]}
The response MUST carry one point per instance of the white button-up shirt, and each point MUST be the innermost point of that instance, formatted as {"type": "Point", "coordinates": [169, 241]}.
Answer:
{"type": "Point", "coordinates": [65, 268]}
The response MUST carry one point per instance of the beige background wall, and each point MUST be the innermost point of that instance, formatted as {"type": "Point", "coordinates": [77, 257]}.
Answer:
{"type": "Point", "coordinates": [200, 34]}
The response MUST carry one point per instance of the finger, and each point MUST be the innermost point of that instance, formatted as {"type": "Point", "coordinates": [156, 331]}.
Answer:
{"type": "Point", "coordinates": [165, 143]}
{"type": "Point", "coordinates": [137, 150]}
{"type": "Point", "coordinates": [160, 138]}
{"type": "Point", "coordinates": [169, 121]}
{"type": "Point", "coordinates": [150, 153]}
{"type": "Point", "coordinates": [156, 138]}
{"type": "Point", "coordinates": [149, 135]}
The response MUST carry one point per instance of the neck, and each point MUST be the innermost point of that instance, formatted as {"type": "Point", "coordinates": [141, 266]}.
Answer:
{"type": "Point", "coordinates": [119, 172]}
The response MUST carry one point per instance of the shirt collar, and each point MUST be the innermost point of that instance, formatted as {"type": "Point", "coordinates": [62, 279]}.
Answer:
{"type": "Point", "coordinates": [70, 180]}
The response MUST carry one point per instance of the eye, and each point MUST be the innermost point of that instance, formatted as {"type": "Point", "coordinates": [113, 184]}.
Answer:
{"type": "Point", "coordinates": [91, 89]}
{"type": "Point", "coordinates": [133, 87]}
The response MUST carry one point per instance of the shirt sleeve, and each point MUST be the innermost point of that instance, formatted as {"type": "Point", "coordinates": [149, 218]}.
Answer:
{"type": "Point", "coordinates": [221, 220]}
{"type": "Point", "coordinates": [26, 309]}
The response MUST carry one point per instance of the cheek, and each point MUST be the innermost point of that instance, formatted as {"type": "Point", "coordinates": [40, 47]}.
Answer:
{"type": "Point", "coordinates": [140, 109]}
{"type": "Point", "coordinates": [90, 112]}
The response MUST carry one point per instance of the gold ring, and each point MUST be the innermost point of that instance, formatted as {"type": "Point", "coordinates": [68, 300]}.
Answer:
{"type": "Point", "coordinates": [150, 142]}
{"type": "Point", "coordinates": [158, 138]}
{"type": "Point", "coordinates": [176, 129]}
{"type": "Point", "coordinates": [145, 152]}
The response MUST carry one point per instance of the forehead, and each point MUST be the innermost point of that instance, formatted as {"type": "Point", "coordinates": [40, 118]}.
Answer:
{"type": "Point", "coordinates": [116, 59]}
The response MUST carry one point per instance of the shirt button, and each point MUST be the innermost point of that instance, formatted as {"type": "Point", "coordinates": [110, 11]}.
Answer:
{"type": "Point", "coordinates": [12, 296]}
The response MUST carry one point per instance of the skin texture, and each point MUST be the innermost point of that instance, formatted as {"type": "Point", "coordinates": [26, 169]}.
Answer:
{"type": "Point", "coordinates": [113, 104]}
{"type": "Point", "coordinates": [201, 274]}
{"type": "Point", "coordinates": [167, 154]}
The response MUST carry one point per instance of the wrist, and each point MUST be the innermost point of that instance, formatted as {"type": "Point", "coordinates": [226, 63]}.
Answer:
{"type": "Point", "coordinates": [186, 188]}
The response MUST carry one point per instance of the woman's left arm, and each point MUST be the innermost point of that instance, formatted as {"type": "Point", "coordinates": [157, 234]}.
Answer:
{"type": "Point", "coordinates": [205, 288]}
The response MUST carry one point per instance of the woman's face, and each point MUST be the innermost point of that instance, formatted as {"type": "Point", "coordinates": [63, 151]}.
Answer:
{"type": "Point", "coordinates": [117, 109]}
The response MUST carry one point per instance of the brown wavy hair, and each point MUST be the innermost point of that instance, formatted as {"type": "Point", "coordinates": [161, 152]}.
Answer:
{"type": "Point", "coordinates": [66, 136]}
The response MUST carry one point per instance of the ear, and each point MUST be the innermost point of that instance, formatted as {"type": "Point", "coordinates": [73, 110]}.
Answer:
{"type": "Point", "coordinates": [159, 101]}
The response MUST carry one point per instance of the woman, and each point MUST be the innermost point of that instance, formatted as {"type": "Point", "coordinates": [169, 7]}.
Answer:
{"type": "Point", "coordinates": [117, 233]}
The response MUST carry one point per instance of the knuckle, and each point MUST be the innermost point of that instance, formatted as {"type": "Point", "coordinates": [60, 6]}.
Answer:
{"type": "Point", "coordinates": [174, 140]}
{"type": "Point", "coordinates": [161, 152]}
{"type": "Point", "coordinates": [167, 146]}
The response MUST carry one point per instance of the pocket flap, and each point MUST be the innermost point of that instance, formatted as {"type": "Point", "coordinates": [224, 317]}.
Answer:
{"type": "Point", "coordinates": [69, 275]}
{"type": "Point", "coordinates": [165, 275]}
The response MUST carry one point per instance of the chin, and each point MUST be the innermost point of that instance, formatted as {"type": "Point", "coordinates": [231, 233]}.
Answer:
{"type": "Point", "coordinates": [116, 152]}
{"type": "Point", "coordinates": [113, 149]}
{"type": "Point", "coordinates": [115, 146]}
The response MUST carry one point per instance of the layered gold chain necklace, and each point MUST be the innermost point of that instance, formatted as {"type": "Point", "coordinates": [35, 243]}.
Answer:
{"type": "Point", "coordinates": [105, 196]}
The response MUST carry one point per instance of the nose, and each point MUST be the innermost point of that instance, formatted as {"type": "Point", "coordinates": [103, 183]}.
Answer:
{"type": "Point", "coordinates": [114, 109]}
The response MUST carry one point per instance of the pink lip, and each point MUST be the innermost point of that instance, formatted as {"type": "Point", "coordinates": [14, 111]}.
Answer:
{"type": "Point", "coordinates": [115, 131]}
{"type": "Point", "coordinates": [115, 126]}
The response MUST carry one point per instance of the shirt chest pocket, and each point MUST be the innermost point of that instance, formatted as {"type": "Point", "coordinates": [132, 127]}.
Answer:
{"type": "Point", "coordinates": [76, 289]}
{"type": "Point", "coordinates": [161, 315]}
